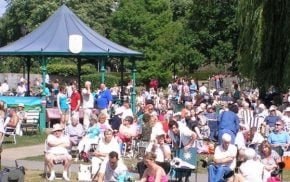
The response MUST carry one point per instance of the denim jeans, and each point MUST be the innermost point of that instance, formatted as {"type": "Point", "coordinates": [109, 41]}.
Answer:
{"type": "Point", "coordinates": [216, 173]}
{"type": "Point", "coordinates": [213, 126]}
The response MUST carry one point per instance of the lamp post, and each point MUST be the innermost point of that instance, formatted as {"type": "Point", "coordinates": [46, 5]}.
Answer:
{"type": "Point", "coordinates": [42, 119]}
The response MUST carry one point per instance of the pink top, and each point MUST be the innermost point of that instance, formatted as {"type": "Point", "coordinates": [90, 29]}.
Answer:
{"type": "Point", "coordinates": [152, 179]}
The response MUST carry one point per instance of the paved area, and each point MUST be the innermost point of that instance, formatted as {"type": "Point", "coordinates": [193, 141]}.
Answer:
{"type": "Point", "coordinates": [10, 155]}
{"type": "Point", "coordinates": [22, 152]}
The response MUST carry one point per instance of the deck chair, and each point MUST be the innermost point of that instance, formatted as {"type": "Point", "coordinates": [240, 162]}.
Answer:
{"type": "Point", "coordinates": [184, 162]}
{"type": "Point", "coordinates": [46, 172]}
{"type": "Point", "coordinates": [10, 131]}
{"type": "Point", "coordinates": [32, 121]}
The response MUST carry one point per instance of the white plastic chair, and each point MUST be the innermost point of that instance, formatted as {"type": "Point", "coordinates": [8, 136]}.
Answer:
{"type": "Point", "coordinates": [56, 163]}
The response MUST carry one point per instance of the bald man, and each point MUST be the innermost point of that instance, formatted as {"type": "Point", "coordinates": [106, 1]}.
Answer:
{"type": "Point", "coordinates": [224, 160]}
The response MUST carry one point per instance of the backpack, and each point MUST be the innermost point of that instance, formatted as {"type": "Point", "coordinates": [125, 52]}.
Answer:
{"type": "Point", "coordinates": [15, 174]}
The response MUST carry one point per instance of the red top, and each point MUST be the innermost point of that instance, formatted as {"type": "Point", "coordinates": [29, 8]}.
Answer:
{"type": "Point", "coordinates": [153, 84]}
{"type": "Point", "coordinates": [75, 97]}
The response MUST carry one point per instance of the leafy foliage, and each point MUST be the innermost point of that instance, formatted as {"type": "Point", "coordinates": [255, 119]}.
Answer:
{"type": "Point", "coordinates": [176, 36]}
{"type": "Point", "coordinates": [69, 69]}
{"type": "Point", "coordinates": [110, 80]}
{"type": "Point", "coordinates": [264, 42]}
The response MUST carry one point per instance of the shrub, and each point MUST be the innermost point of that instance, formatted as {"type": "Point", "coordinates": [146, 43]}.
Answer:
{"type": "Point", "coordinates": [110, 79]}
{"type": "Point", "coordinates": [69, 69]}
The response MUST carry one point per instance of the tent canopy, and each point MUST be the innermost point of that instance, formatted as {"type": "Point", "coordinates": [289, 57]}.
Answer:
{"type": "Point", "coordinates": [51, 39]}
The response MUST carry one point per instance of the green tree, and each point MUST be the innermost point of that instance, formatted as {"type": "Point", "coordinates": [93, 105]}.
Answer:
{"type": "Point", "coordinates": [141, 25]}
{"type": "Point", "coordinates": [22, 17]}
{"type": "Point", "coordinates": [213, 30]}
{"type": "Point", "coordinates": [264, 42]}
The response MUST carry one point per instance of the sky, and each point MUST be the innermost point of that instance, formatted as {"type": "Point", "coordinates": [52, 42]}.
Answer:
{"type": "Point", "coordinates": [2, 7]}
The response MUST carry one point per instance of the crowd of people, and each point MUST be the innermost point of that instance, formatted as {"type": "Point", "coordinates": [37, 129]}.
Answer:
{"type": "Point", "coordinates": [245, 138]}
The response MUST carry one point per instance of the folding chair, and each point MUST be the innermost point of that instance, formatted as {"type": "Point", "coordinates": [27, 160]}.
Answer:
{"type": "Point", "coordinates": [180, 167]}
{"type": "Point", "coordinates": [74, 152]}
{"type": "Point", "coordinates": [56, 163]}
{"type": "Point", "coordinates": [10, 131]}
{"type": "Point", "coordinates": [139, 150]}
{"type": "Point", "coordinates": [32, 121]}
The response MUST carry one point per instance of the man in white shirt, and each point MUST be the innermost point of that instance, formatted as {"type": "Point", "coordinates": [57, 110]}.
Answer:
{"type": "Point", "coordinates": [224, 160]}
{"type": "Point", "coordinates": [113, 169]}
{"type": "Point", "coordinates": [251, 169]}
{"type": "Point", "coordinates": [106, 145]}
{"type": "Point", "coordinates": [57, 145]}
{"type": "Point", "coordinates": [88, 103]}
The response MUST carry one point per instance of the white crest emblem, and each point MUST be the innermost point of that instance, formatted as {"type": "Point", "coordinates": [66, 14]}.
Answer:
{"type": "Point", "coordinates": [187, 155]}
{"type": "Point", "coordinates": [75, 43]}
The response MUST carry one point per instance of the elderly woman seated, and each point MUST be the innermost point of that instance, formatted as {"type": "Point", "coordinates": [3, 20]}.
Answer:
{"type": "Point", "coordinates": [127, 131]}
{"type": "Point", "coordinates": [269, 158]}
{"type": "Point", "coordinates": [251, 169]}
{"type": "Point", "coordinates": [92, 135]}
{"type": "Point", "coordinates": [75, 131]}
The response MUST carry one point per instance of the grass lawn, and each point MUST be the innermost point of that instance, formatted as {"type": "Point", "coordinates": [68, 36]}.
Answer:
{"type": "Point", "coordinates": [37, 176]}
{"type": "Point", "coordinates": [25, 140]}
{"type": "Point", "coordinates": [131, 163]}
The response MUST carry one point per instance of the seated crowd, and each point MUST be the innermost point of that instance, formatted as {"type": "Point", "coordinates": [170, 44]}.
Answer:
{"type": "Point", "coordinates": [245, 139]}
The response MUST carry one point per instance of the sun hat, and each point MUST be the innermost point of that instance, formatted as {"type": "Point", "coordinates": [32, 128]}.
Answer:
{"type": "Point", "coordinates": [272, 108]}
{"type": "Point", "coordinates": [160, 133]}
{"type": "Point", "coordinates": [20, 105]}
{"type": "Point", "coordinates": [287, 109]}
{"type": "Point", "coordinates": [57, 127]}
{"type": "Point", "coordinates": [262, 106]}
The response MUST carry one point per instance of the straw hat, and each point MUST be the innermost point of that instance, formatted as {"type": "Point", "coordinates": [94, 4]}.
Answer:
{"type": "Point", "coordinates": [57, 127]}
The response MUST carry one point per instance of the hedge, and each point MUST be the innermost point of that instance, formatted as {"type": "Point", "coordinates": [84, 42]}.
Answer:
{"type": "Point", "coordinates": [69, 69]}
{"type": "Point", "coordinates": [110, 80]}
